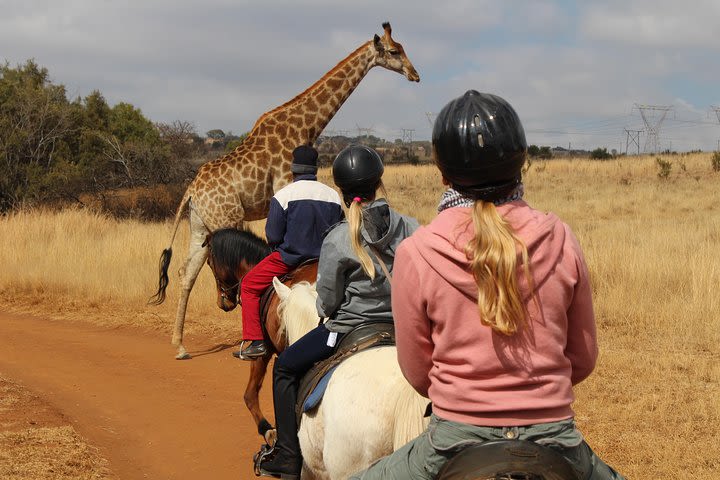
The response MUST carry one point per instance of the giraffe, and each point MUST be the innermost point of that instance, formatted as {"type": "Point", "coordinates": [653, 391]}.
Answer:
{"type": "Point", "coordinates": [238, 186]}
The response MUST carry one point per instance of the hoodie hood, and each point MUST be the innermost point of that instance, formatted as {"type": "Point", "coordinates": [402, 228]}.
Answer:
{"type": "Point", "coordinates": [544, 235]}
{"type": "Point", "coordinates": [380, 224]}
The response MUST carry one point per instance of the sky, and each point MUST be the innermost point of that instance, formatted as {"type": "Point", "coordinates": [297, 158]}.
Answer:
{"type": "Point", "coordinates": [579, 74]}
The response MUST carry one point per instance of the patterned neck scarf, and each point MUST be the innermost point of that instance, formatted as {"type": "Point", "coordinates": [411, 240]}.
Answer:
{"type": "Point", "coordinates": [452, 198]}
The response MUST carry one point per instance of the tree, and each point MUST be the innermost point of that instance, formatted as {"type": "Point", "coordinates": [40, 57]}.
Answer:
{"type": "Point", "coordinates": [235, 141]}
{"type": "Point", "coordinates": [128, 123]}
{"type": "Point", "coordinates": [53, 148]}
{"type": "Point", "coordinates": [600, 154]}
{"type": "Point", "coordinates": [216, 134]}
{"type": "Point", "coordinates": [95, 125]}
{"type": "Point", "coordinates": [36, 122]}
{"type": "Point", "coordinates": [541, 152]}
{"type": "Point", "coordinates": [179, 136]}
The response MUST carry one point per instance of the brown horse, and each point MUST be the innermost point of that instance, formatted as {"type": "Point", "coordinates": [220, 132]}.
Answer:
{"type": "Point", "coordinates": [232, 253]}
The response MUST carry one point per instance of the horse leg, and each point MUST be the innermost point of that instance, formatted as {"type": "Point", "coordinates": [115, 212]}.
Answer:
{"type": "Point", "coordinates": [258, 367]}
{"type": "Point", "coordinates": [197, 255]}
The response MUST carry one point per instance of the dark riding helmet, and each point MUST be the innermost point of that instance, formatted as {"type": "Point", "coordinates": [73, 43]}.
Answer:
{"type": "Point", "coordinates": [480, 145]}
{"type": "Point", "coordinates": [357, 170]}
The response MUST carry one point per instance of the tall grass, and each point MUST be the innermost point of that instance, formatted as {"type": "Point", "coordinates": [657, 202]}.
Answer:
{"type": "Point", "coordinates": [651, 409]}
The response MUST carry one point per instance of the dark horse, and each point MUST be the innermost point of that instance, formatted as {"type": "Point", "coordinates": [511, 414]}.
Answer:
{"type": "Point", "coordinates": [231, 254]}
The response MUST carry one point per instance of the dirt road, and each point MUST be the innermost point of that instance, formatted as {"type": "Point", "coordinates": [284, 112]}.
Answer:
{"type": "Point", "coordinates": [150, 415]}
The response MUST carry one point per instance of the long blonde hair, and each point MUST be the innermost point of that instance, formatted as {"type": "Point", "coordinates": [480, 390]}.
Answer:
{"type": "Point", "coordinates": [493, 261]}
{"type": "Point", "coordinates": [355, 224]}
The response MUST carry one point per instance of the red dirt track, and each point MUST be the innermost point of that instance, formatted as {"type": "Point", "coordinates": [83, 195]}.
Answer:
{"type": "Point", "coordinates": [150, 415]}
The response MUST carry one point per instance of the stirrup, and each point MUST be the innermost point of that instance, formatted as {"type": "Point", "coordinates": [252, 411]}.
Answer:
{"type": "Point", "coordinates": [265, 451]}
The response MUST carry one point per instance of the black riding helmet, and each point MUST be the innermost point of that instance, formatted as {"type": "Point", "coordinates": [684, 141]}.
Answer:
{"type": "Point", "coordinates": [480, 145]}
{"type": "Point", "coordinates": [357, 170]}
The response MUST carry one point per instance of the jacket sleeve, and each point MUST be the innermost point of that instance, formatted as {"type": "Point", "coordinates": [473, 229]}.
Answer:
{"type": "Point", "coordinates": [581, 348]}
{"type": "Point", "coordinates": [276, 223]}
{"type": "Point", "coordinates": [330, 285]}
{"type": "Point", "coordinates": [412, 325]}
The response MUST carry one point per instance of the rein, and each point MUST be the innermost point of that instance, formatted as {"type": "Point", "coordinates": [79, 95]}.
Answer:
{"type": "Point", "coordinates": [225, 290]}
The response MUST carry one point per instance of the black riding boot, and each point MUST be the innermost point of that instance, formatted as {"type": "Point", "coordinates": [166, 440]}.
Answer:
{"type": "Point", "coordinates": [286, 460]}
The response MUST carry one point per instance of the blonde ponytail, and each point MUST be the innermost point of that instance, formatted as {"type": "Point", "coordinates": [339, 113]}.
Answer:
{"type": "Point", "coordinates": [355, 222]}
{"type": "Point", "coordinates": [493, 262]}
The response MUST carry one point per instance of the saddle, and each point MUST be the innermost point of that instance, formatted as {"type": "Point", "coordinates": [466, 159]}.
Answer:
{"type": "Point", "coordinates": [365, 336]}
{"type": "Point", "coordinates": [508, 459]}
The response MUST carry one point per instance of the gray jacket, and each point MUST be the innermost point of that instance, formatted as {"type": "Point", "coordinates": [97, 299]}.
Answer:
{"type": "Point", "coordinates": [346, 295]}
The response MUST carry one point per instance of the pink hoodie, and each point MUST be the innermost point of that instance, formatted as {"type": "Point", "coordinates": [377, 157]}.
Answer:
{"type": "Point", "coordinates": [471, 374]}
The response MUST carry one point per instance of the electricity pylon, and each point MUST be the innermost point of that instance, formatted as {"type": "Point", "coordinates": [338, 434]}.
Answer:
{"type": "Point", "coordinates": [407, 135]}
{"type": "Point", "coordinates": [634, 137]}
{"type": "Point", "coordinates": [653, 116]}
{"type": "Point", "coordinates": [431, 118]}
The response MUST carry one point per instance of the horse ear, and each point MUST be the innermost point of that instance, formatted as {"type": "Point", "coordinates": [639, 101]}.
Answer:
{"type": "Point", "coordinates": [281, 289]}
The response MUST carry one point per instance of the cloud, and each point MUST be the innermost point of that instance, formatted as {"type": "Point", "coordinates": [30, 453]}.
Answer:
{"type": "Point", "coordinates": [565, 66]}
{"type": "Point", "coordinates": [651, 23]}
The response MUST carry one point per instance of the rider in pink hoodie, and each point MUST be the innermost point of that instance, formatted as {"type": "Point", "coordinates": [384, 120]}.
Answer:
{"type": "Point", "coordinates": [492, 305]}
{"type": "Point", "coordinates": [472, 373]}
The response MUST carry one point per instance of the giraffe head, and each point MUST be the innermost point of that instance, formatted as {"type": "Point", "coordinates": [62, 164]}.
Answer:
{"type": "Point", "coordinates": [391, 55]}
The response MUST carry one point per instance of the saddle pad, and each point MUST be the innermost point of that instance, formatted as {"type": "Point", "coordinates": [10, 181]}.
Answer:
{"type": "Point", "coordinates": [313, 399]}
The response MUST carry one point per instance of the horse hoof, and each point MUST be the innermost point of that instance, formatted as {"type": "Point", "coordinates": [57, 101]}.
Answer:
{"type": "Point", "coordinates": [271, 437]}
{"type": "Point", "coordinates": [183, 356]}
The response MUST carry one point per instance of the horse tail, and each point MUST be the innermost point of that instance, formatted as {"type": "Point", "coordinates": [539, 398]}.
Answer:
{"type": "Point", "coordinates": [409, 415]}
{"type": "Point", "coordinates": [166, 255]}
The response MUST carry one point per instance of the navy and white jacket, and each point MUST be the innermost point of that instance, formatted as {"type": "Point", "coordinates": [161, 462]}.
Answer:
{"type": "Point", "coordinates": [300, 215]}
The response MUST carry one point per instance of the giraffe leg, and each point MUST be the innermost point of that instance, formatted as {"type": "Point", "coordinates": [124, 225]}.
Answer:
{"type": "Point", "coordinates": [197, 254]}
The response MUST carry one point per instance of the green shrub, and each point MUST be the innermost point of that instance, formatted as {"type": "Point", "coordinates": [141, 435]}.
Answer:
{"type": "Point", "coordinates": [664, 168]}
{"type": "Point", "coordinates": [715, 161]}
{"type": "Point", "coordinates": [600, 154]}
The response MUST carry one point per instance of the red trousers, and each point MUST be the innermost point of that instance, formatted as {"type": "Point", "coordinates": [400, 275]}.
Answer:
{"type": "Point", "coordinates": [253, 285]}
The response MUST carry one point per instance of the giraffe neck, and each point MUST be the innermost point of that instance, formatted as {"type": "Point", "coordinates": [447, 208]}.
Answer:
{"type": "Point", "coordinates": [308, 113]}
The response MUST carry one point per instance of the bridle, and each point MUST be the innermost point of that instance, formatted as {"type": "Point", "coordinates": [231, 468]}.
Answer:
{"type": "Point", "coordinates": [225, 291]}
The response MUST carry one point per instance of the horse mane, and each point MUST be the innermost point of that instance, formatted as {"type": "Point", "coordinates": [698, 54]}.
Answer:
{"type": "Point", "coordinates": [230, 246]}
{"type": "Point", "coordinates": [297, 312]}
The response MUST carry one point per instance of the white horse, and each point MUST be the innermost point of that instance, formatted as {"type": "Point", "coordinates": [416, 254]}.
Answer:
{"type": "Point", "coordinates": [368, 410]}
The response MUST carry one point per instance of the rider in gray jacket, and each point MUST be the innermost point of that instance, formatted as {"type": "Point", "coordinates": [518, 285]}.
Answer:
{"type": "Point", "coordinates": [347, 296]}
{"type": "Point", "coordinates": [352, 288]}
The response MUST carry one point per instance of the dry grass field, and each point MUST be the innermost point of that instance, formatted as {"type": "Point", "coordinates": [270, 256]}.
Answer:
{"type": "Point", "coordinates": [37, 442]}
{"type": "Point", "coordinates": [651, 409]}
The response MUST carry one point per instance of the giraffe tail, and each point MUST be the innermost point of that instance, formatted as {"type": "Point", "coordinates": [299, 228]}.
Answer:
{"type": "Point", "coordinates": [166, 255]}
